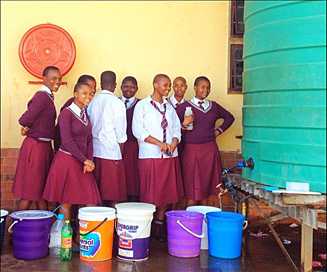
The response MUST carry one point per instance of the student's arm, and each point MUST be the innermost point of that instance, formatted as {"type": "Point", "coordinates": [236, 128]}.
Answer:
{"type": "Point", "coordinates": [139, 128]}
{"type": "Point", "coordinates": [56, 141]}
{"type": "Point", "coordinates": [67, 140]}
{"type": "Point", "coordinates": [152, 140]}
{"type": "Point", "coordinates": [34, 108]}
{"type": "Point", "coordinates": [226, 116]}
{"type": "Point", "coordinates": [176, 132]}
{"type": "Point", "coordinates": [90, 147]}
{"type": "Point", "coordinates": [120, 123]}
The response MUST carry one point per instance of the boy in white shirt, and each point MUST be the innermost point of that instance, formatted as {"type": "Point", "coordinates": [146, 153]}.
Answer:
{"type": "Point", "coordinates": [108, 117]}
{"type": "Point", "coordinates": [158, 131]}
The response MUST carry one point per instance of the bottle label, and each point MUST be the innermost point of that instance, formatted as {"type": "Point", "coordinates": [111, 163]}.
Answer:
{"type": "Point", "coordinates": [67, 242]}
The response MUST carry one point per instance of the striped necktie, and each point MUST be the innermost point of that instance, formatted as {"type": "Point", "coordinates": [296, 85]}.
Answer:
{"type": "Point", "coordinates": [164, 122]}
{"type": "Point", "coordinates": [83, 115]}
{"type": "Point", "coordinates": [126, 103]}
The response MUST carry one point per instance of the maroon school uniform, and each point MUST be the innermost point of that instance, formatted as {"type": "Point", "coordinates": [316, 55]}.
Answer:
{"type": "Point", "coordinates": [57, 136]}
{"type": "Point", "coordinates": [66, 181]}
{"type": "Point", "coordinates": [36, 152]}
{"type": "Point", "coordinates": [201, 163]}
{"type": "Point", "coordinates": [130, 155]}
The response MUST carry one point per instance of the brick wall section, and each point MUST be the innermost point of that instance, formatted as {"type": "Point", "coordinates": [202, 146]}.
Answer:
{"type": "Point", "coordinates": [8, 166]}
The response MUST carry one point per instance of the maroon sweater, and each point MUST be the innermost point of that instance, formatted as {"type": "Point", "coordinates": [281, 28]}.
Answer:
{"type": "Point", "coordinates": [75, 135]}
{"type": "Point", "coordinates": [129, 117]}
{"type": "Point", "coordinates": [57, 132]}
{"type": "Point", "coordinates": [40, 116]}
{"type": "Point", "coordinates": [204, 122]}
{"type": "Point", "coordinates": [67, 103]}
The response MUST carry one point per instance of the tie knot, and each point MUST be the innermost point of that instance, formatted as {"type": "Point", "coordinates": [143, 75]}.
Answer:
{"type": "Point", "coordinates": [201, 102]}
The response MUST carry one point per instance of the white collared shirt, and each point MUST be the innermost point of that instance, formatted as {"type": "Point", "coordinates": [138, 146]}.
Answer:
{"type": "Point", "coordinates": [147, 122]}
{"type": "Point", "coordinates": [45, 89]}
{"type": "Point", "coordinates": [107, 114]}
{"type": "Point", "coordinates": [130, 101]}
{"type": "Point", "coordinates": [174, 101]}
{"type": "Point", "coordinates": [196, 101]}
{"type": "Point", "coordinates": [75, 109]}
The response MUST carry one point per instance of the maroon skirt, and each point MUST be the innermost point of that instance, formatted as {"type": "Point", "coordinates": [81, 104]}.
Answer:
{"type": "Point", "coordinates": [160, 181]}
{"type": "Point", "coordinates": [110, 176]}
{"type": "Point", "coordinates": [201, 166]}
{"type": "Point", "coordinates": [32, 169]}
{"type": "Point", "coordinates": [131, 152]}
{"type": "Point", "coordinates": [66, 182]}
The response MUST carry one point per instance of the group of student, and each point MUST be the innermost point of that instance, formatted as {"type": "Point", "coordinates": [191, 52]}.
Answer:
{"type": "Point", "coordinates": [110, 149]}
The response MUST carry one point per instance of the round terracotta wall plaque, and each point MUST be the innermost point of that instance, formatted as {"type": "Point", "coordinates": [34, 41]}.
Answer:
{"type": "Point", "coordinates": [45, 45]}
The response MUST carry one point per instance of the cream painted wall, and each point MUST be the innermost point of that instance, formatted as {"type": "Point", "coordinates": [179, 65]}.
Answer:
{"type": "Point", "coordinates": [130, 38]}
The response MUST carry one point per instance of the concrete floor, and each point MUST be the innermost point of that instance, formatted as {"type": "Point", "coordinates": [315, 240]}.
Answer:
{"type": "Point", "coordinates": [260, 255]}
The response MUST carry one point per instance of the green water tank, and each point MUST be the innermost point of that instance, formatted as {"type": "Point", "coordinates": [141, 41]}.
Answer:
{"type": "Point", "coordinates": [284, 110]}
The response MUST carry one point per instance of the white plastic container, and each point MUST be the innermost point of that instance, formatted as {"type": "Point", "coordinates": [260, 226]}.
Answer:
{"type": "Point", "coordinates": [204, 210]}
{"type": "Point", "coordinates": [134, 229]}
{"type": "Point", "coordinates": [188, 112]}
{"type": "Point", "coordinates": [298, 186]}
{"type": "Point", "coordinates": [55, 234]}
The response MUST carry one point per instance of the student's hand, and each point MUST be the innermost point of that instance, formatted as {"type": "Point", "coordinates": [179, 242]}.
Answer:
{"type": "Point", "coordinates": [24, 130]}
{"type": "Point", "coordinates": [172, 146]}
{"type": "Point", "coordinates": [88, 166]}
{"type": "Point", "coordinates": [163, 147]}
{"type": "Point", "coordinates": [188, 120]}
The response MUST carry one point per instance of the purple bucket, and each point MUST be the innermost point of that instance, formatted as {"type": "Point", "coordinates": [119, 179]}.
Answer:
{"type": "Point", "coordinates": [31, 233]}
{"type": "Point", "coordinates": [184, 230]}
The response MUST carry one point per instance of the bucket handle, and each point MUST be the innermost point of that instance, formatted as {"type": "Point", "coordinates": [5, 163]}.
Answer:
{"type": "Point", "coordinates": [245, 224]}
{"type": "Point", "coordinates": [95, 228]}
{"type": "Point", "coordinates": [189, 231]}
{"type": "Point", "coordinates": [133, 238]}
{"type": "Point", "coordinates": [13, 224]}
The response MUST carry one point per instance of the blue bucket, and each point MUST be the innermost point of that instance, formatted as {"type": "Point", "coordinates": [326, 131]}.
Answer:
{"type": "Point", "coordinates": [224, 265]}
{"type": "Point", "coordinates": [225, 234]}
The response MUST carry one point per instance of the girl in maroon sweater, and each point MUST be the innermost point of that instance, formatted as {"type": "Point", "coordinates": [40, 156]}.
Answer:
{"type": "Point", "coordinates": [201, 164]}
{"type": "Point", "coordinates": [38, 125]}
{"type": "Point", "coordinates": [70, 180]}
{"type": "Point", "coordinates": [87, 79]}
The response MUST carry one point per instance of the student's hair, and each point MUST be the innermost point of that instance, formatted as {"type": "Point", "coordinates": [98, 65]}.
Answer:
{"type": "Point", "coordinates": [108, 78]}
{"type": "Point", "coordinates": [180, 78]}
{"type": "Point", "coordinates": [79, 85]}
{"type": "Point", "coordinates": [85, 79]}
{"type": "Point", "coordinates": [48, 69]}
{"type": "Point", "coordinates": [159, 77]}
{"type": "Point", "coordinates": [200, 78]}
{"type": "Point", "coordinates": [129, 78]}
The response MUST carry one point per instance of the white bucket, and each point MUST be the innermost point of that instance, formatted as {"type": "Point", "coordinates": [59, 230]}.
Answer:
{"type": "Point", "coordinates": [203, 210]}
{"type": "Point", "coordinates": [134, 229]}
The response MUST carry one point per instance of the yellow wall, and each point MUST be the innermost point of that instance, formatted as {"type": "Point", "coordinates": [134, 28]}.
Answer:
{"type": "Point", "coordinates": [130, 38]}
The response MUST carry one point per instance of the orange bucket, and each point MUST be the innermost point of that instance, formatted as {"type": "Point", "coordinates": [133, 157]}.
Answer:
{"type": "Point", "coordinates": [96, 225]}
